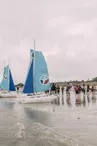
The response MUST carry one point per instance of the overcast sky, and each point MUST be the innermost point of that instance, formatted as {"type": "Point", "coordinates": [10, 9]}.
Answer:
{"type": "Point", "coordinates": [65, 30]}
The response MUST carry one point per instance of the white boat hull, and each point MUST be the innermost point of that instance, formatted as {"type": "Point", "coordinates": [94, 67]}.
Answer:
{"type": "Point", "coordinates": [26, 95]}
{"type": "Point", "coordinates": [37, 99]}
{"type": "Point", "coordinates": [7, 95]}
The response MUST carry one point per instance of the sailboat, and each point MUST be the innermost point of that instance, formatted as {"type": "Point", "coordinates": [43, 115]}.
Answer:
{"type": "Point", "coordinates": [37, 80]}
{"type": "Point", "coordinates": [7, 85]}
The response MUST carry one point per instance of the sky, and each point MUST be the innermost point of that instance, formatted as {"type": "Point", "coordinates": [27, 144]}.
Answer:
{"type": "Point", "coordinates": [64, 30]}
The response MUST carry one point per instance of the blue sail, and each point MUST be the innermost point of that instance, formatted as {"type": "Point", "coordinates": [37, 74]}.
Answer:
{"type": "Point", "coordinates": [37, 78]}
{"type": "Point", "coordinates": [11, 82]}
{"type": "Point", "coordinates": [41, 77]}
{"type": "Point", "coordinates": [28, 87]}
{"type": "Point", "coordinates": [7, 82]}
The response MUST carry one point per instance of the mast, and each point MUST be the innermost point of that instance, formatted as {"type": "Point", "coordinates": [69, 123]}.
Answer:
{"type": "Point", "coordinates": [8, 77]}
{"type": "Point", "coordinates": [34, 67]}
{"type": "Point", "coordinates": [4, 68]}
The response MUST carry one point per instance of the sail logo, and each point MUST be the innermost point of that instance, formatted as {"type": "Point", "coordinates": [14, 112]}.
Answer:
{"type": "Point", "coordinates": [44, 79]}
{"type": "Point", "coordinates": [5, 77]}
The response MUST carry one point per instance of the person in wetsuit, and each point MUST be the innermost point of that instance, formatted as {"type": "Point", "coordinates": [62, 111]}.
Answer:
{"type": "Point", "coordinates": [88, 88]}
{"type": "Point", "coordinates": [77, 89]}
{"type": "Point", "coordinates": [17, 89]}
{"type": "Point", "coordinates": [62, 89]}
{"type": "Point", "coordinates": [53, 88]}
{"type": "Point", "coordinates": [58, 90]}
{"type": "Point", "coordinates": [83, 89]}
{"type": "Point", "coordinates": [68, 89]}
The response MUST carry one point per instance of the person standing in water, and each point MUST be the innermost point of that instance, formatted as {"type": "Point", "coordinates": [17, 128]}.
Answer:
{"type": "Point", "coordinates": [77, 91]}
{"type": "Point", "coordinates": [93, 91]}
{"type": "Point", "coordinates": [53, 88]}
{"type": "Point", "coordinates": [80, 89]}
{"type": "Point", "coordinates": [83, 89]}
{"type": "Point", "coordinates": [88, 89]}
{"type": "Point", "coordinates": [68, 89]}
{"type": "Point", "coordinates": [58, 90]}
{"type": "Point", "coordinates": [62, 89]}
{"type": "Point", "coordinates": [88, 93]}
{"type": "Point", "coordinates": [17, 89]}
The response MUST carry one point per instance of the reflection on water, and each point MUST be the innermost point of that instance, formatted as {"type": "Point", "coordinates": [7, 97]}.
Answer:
{"type": "Point", "coordinates": [62, 99]}
{"type": "Point", "coordinates": [50, 124]}
{"type": "Point", "coordinates": [68, 101]}
{"type": "Point", "coordinates": [37, 116]}
{"type": "Point", "coordinates": [94, 100]}
{"type": "Point", "coordinates": [6, 104]}
{"type": "Point", "coordinates": [78, 100]}
{"type": "Point", "coordinates": [84, 100]}
{"type": "Point", "coordinates": [88, 98]}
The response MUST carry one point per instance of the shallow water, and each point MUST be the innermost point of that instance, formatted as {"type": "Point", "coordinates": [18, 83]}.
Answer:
{"type": "Point", "coordinates": [63, 124]}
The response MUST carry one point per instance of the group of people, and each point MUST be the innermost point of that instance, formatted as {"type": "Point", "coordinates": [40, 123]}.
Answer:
{"type": "Point", "coordinates": [78, 89]}
{"type": "Point", "coordinates": [80, 92]}
{"type": "Point", "coordinates": [56, 89]}
{"type": "Point", "coordinates": [85, 89]}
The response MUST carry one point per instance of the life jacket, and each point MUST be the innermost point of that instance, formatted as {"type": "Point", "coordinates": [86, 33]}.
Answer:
{"type": "Point", "coordinates": [76, 89]}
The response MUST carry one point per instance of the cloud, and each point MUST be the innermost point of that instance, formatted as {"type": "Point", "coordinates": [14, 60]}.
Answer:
{"type": "Point", "coordinates": [85, 28]}
{"type": "Point", "coordinates": [71, 54]}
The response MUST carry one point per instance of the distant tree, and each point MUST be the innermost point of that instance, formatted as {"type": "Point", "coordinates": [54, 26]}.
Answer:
{"type": "Point", "coordinates": [20, 85]}
{"type": "Point", "coordinates": [94, 79]}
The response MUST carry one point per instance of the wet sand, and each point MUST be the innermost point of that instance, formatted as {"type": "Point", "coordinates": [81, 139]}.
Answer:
{"type": "Point", "coordinates": [70, 122]}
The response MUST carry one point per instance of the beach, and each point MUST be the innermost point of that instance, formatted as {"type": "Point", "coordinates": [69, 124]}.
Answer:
{"type": "Point", "coordinates": [63, 124]}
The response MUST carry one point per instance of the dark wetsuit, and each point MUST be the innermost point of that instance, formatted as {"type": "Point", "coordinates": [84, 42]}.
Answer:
{"type": "Point", "coordinates": [93, 89]}
{"type": "Point", "coordinates": [58, 89]}
{"type": "Point", "coordinates": [83, 90]}
{"type": "Point", "coordinates": [88, 88]}
{"type": "Point", "coordinates": [62, 90]}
